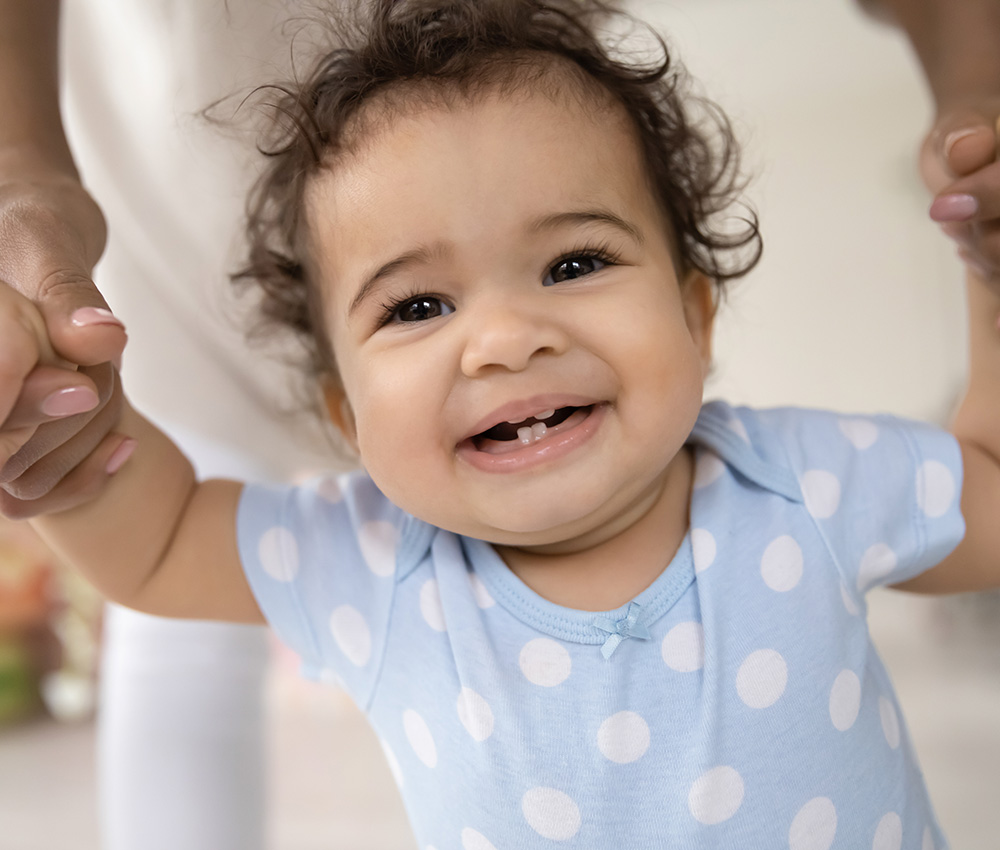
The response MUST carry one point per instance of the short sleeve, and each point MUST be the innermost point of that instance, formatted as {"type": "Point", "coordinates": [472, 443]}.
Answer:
{"type": "Point", "coordinates": [884, 492]}
{"type": "Point", "coordinates": [321, 561]}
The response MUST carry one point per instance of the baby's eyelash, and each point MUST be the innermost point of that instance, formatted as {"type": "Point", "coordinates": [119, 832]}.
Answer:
{"type": "Point", "coordinates": [599, 251]}
{"type": "Point", "coordinates": [389, 307]}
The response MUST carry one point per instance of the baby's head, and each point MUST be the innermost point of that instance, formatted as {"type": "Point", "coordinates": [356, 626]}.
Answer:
{"type": "Point", "coordinates": [500, 245]}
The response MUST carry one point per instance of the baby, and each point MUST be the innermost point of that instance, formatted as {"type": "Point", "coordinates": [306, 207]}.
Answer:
{"type": "Point", "coordinates": [579, 607]}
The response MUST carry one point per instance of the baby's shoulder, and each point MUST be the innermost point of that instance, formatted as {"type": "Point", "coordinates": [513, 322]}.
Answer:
{"type": "Point", "coordinates": [799, 439]}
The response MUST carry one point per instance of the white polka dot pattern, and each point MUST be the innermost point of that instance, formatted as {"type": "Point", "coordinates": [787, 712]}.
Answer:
{"type": "Point", "coordinates": [747, 637]}
{"type": "Point", "coordinates": [781, 564]}
{"type": "Point", "coordinates": [890, 721]}
{"type": "Point", "coordinates": [814, 827]}
{"type": "Point", "coordinates": [420, 738]}
{"type": "Point", "coordinates": [708, 469]}
{"type": "Point", "coordinates": [703, 549]}
{"type": "Point", "coordinates": [545, 662]}
{"type": "Point", "coordinates": [480, 593]}
{"type": "Point", "coordinates": [928, 842]}
{"type": "Point", "coordinates": [329, 490]}
{"type": "Point", "coordinates": [351, 634]}
{"type": "Point", "coordinates": [862, 433]}
{"type": "Point", "coordinates": [936, 488]}
{"type": "Point", "coordinates": [761, 679]}
{"type": "Point", "coordinates": [716, 795]}
{"type": "Point", "coordinates": [821, 491]}
{"type": "Point", "coordinates": [475, 714]}
{"type": "Point", "coordinates": [623, 737]}
{"type": "Point", "coordinates": [888, 833]}
{"type": "Point", "coordinates": [849, 604]}
{"type": "Point", "coordinates": [472, 840]}
{"type": "Point", "coordinates": [683, 647]}
{"type": "Point", "coordinates": [877, 562]}
{"type": "Point", "coordinates": [278, 552]}
{"type": "Point", "coordinates": [845, 700]}
{"type": "Point", "coordinates": [551, 813]}
{"type": "Point", "coordinates": [430, 605]}
{"type": "Point", "coordinates": [377, 540]}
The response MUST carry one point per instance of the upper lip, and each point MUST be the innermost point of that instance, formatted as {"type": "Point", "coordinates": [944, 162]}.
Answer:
{"type": "Point", "coordinates": [516, 411]}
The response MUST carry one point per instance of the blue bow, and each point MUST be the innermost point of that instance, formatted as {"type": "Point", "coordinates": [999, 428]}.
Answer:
{"type": "Point", "coordinates": [628, 626]}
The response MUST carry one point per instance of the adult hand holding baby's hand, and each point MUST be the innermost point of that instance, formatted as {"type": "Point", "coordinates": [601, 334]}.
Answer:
{"type": "Point", "coordinates": [59, 393]}
{"type": "Point", "coordinates": [960, 165]}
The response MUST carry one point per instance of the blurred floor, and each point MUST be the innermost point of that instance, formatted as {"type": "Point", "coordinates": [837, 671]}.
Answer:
{"type": "Point", "coordinates": [331, 788]}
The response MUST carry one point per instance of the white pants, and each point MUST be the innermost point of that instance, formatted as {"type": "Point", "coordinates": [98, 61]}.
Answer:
{"type": "Point", "coordinates": [181, 734]}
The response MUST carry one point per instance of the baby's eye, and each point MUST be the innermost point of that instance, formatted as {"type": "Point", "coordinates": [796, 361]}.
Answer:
{"type": "Point", "coordinates": [572, 268]}
{"type": "Point", "coordinates": [420, 309]}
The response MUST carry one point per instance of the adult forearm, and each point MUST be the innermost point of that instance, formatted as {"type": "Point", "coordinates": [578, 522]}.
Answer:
{"type": "Point", "coordinates": [31, 131]}
{"type": "Point", "coordinates": [956, 41]}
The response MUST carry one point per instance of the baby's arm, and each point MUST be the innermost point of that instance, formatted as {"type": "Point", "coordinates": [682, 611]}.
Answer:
{"type": "Point", "coordinates": [156, 539]}
{"type": "Point", "coordinates": [153, 538]}
{"type": "Point", "coordinates": [969, 209]}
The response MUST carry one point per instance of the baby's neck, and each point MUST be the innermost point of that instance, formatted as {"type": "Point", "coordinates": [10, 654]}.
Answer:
{"type": "Point", "coordinates": [613, 572]}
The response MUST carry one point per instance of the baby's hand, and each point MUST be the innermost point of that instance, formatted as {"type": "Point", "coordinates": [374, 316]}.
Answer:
{"type": "Point", "coordinates": [960, 165]}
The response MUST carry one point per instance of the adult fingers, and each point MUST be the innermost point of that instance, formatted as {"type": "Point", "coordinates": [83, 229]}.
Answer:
{"type": "Point", "coordinates": [962, 141]}
{"type": "Point", "coordinates": [79, 486]}
{"type": "Point", "coordinates": [23, 344]}
{"type": "Point", "coordinates": [81, 327]}
{"type": "Point", "coordinates": [49, 393]}
{"type": "Point", "coordinates": [59, 446]}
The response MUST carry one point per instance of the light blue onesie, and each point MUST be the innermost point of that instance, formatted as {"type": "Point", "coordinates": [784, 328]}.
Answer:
{"type": "Point", "coordinates": [737, 702]}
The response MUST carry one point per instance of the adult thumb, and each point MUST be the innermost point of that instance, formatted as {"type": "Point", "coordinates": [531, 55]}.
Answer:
{"type": "Point", "coordinates": [963, 140]}
{"type": "Point", "coordinates": [81, 327]}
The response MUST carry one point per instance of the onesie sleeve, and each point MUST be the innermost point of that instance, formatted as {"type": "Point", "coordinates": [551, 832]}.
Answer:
{"type": "Point", "coordinates": [320, 559]}
{"type": "Point", "coordinates": [884, 492]}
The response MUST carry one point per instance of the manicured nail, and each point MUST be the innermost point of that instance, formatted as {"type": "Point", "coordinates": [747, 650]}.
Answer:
{"type": "Point", "coordinates": [86, 316]}
{"type": "Point", "coordinates": [956, 136]}
{"type": "Point", "coordinates": [954, 208]}
{"type": "Point", "coordinates": [69, 401]}
{"type": "Point", "coordinates": [120, 455]}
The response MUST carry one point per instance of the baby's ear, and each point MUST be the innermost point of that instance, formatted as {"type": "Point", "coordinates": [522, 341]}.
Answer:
{"type": "Point", "coordinates": [699, 311]}
{"type": "Point", "coordinates": [338, 408]}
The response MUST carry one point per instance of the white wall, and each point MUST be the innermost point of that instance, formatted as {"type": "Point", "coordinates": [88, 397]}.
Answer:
{"type": "Point", "coordinates": [857, 304]}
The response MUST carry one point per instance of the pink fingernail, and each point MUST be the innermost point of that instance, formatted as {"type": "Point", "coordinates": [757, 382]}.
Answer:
{"type": "Point", "coordinates": [954, 208]}
{"type": "Point", "coordinates": [120, 455]}
{"type": "Point", "coordinates": [69, 401]}
{"type": "Point", "coordinates": [86, 316]}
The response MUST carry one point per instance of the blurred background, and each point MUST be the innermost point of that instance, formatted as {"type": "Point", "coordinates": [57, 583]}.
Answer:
{"type": "Point", "coordinates": [857, 305]}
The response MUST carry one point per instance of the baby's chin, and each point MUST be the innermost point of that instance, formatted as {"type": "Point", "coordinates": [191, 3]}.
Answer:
{"type": "Point", "coordinates": [552, 529]}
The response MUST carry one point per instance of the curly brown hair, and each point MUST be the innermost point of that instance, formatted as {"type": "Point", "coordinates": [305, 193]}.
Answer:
{"type": "Point", "coordinates": [388, 47]}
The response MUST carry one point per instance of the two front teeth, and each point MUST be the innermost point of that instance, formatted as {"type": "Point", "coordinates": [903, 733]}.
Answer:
{"type": "Point", "coordinates": [532, 433]}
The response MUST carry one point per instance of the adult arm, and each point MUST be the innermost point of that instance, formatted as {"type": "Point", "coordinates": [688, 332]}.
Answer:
{"type": "Point", "coordinates": [51, 235]}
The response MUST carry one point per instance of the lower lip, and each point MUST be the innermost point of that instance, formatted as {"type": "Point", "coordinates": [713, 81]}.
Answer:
{"type": "Point", "coordinates": [546, 450]}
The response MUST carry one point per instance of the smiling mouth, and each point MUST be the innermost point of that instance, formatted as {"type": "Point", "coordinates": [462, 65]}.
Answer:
{"type": "Point", "coordinates": [511, 436]}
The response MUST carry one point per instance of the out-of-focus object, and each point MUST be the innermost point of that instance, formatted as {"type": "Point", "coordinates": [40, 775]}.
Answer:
{"type": "Point", "coordinates": [48, 632]}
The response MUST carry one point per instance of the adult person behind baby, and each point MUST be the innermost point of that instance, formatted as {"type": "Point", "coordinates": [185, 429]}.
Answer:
{"type": "Point", "coordinates": [181, 721]}
{"type": "Point", "coordinates": [171, 190]}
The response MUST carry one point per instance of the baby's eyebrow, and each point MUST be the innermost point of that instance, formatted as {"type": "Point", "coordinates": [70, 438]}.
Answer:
{"type": "Point", "coordinates": [420, 254]}
{"type": "Point", "coordinates": [601, 216]}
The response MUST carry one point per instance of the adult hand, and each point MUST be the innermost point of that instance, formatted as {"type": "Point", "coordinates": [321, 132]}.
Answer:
{"type": "Point", "coordinates": [959, 164]}
{"type": "Point", "coordinates": [59, 396]}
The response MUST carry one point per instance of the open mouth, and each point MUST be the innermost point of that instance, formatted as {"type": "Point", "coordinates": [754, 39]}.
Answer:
{"type": "Point", "coordinates": [511, 436]}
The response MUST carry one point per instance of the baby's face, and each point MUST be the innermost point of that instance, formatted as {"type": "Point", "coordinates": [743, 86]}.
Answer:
{"type": "Point", "coordinates": [520, 361]}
